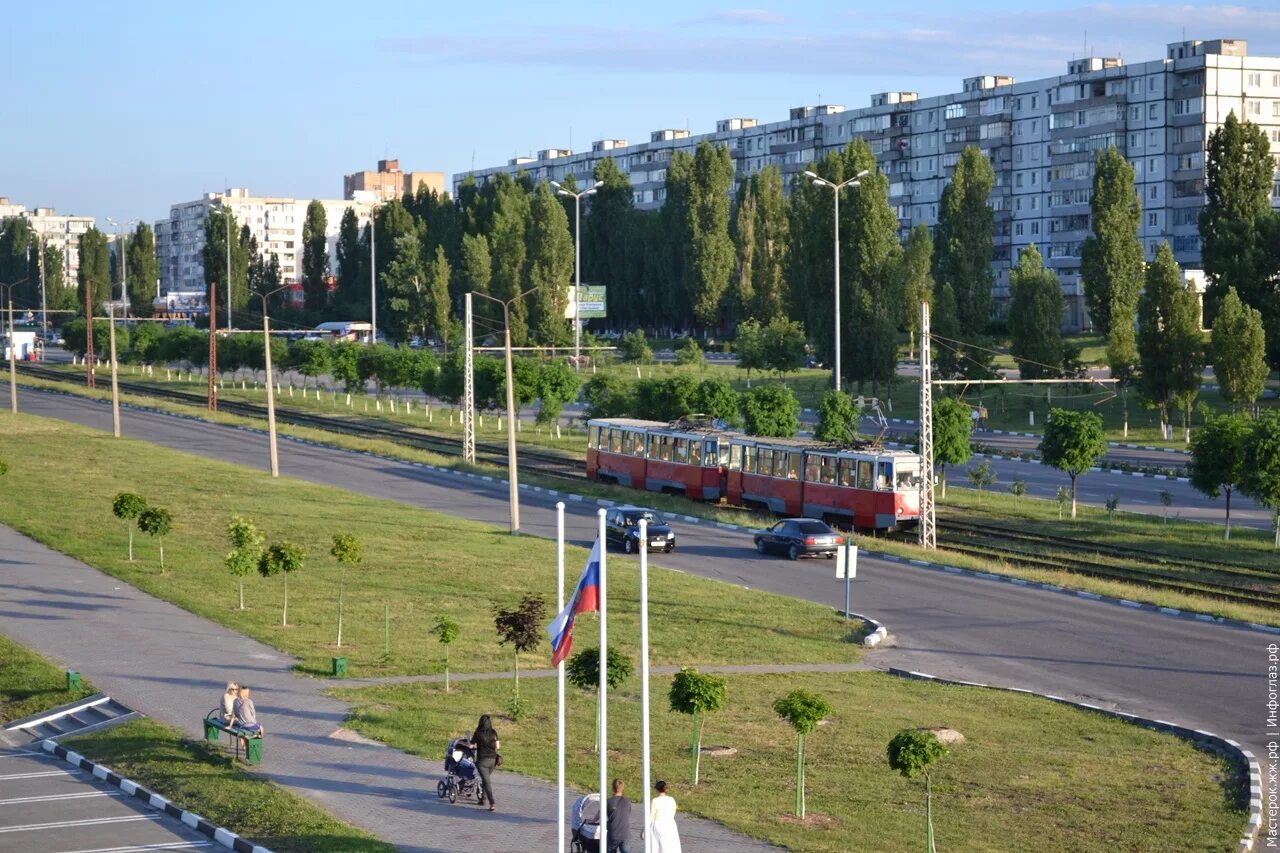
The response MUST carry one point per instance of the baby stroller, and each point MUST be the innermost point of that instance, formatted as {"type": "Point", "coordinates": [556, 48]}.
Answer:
{"type": "Point", "coordinates": [461, 778]}
{"type": "Point", "coordinates": [584, 823]}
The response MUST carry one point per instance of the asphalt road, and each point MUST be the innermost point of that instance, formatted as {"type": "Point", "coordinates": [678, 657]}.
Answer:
{"type": "Point", "coordinates": [1193, 673]}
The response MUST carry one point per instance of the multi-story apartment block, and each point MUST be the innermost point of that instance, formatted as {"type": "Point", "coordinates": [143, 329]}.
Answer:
{"type": "Point", "coordinates": [1040, 135]}
{"type": "Point", "coordinates": [389, 182]}
{"type": "Point", "coordinates": [276, 223]}
{"type": "Point", "coordinates": [53, 230]}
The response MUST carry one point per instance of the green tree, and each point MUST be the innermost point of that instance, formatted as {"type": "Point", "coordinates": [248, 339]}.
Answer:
{"type": "Point", "coordinates": [246, 550]}
{"type": "Point", "coordinates": [404, 284]}
{"type": "Point", "coordinates": [952, 427]}
{"type": "Point", "coordinates": [689, 353]}
{"type": "Point", "coordinates": [964, 240]}
{"type": "Point", "coordinates": [717, 399]}
{"type": "Point", "coordinates": [557, 384]}
{"type": "Point", "coordinates": [214, 257]}
{"type": "Point", "coordinates": [344, 365]}
{"type": "Point", "coordinates": [982, 477]}
{"type": "Point", "coordinates": [710, 249]}
{"type": "Point", "coordinates": [697, 695]}
{"type": "Point", "coordinates": [911, 752]}
{"type": "Point", "coordinates": [94, 273]}
{"type": "Point", "coordinates": [156, 521]}
{"type": "Point", "coordinates": [784, 344]}
{"type": "Point", "coordinates": [583, 672]}
{"type": "Point", "coordinates": [353, 262]}
{"type": "Point", "coordinates": [508, 248]}
{"type": "Point", "coordinates": [521, 628]}
{"type": "Point", "coordinates": [665, 399]}
{"type": "Point", "coordinates": [550, 268]}
{"type": "Point", "coordinates": [446, 631]}
{"type": "Point", "coordinates": [608, 234]}
{"type": "Point", "coordinates": [803, 710]}
{"type": "Point", "coordinates": [742, 230]}
{"type": "Point", "coordinates": [127, 507]}
{"type": "Point", "coordinates": [315, 257]}
{"type": "Point", "coordinates": [838, 419]}
{"type": "Point", "coordinates": [346, 549]}
{"type": "Point", "coordinates": [608, 396]}
{"type": "Point", "coordinates": [771, 410]}
{"type": "Point", "coordinates": [1111, 259]}
{"type": "Point", "coordinates": [1217, 459]}
{"type": "Point", "coordinates": [750, 347]}
{"type": "Point", "coordinates": [1168, 335]}
{"type": "Point", "coordinates": [60, 295]}
{"type": "Point", "coordinates": [475, 270]}
{"type": "Point", "coordinates": [1018, 488]}
{"type": "Point", "coordinates": [1035, 317]}
{"type": "Point", "coordinates": [1073, 443]}
{"type": "Point", "coordinates": [144, 270]}
{"type": "Point", "coordinates": [633, 347]}
{"type": "Point", "coordinates": [310, 358]}
{"type": "Point", "coordinates": [917, 280]}
{"type": "Point", "coordinates": [439, 301]}
{"type": "Point", "coordinates": [1261, 465]}
{"type": "Point", "coordinates": [1239, 351]}
{"type": "Point", "coordinates": [283, 558]}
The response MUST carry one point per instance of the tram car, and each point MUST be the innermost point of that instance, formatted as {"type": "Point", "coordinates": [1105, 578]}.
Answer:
{"type": "Point", "coordinates": [868, 487]}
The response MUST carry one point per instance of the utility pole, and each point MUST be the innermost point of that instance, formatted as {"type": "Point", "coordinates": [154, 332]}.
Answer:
{"type": "Point", "coordinates": [213, 346]}
{"type": "Point", "coordinates": [835, 190]}
{"type": "Point", "coordinates": [88, 332]}
{"type": "Point", "coordinates": [577, 267]}
{"type": "Point", "coordinates": [271, 394]}
{"type": "Point", "coordinates": [373, 277]}
{"type": "Point", "coordinates": [44, 311]}
{"type": "Point", "coordinates": [115, 381]}
{"type": "Point", "coordinates": [13, 353]}
{"type": "Point", "coordinates": [469, 392]}
{"type": "Point", "coordinates": [226, 213]}
{"type": "Point", "coordinates": [928, 520]}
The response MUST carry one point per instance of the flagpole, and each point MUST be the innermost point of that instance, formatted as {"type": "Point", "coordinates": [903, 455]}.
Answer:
{"type": "Point", "coordinates": [604, 705]}
{"type": "Point", "coordinates": [560, 677]}
{"type": "Point", "coordinates": [644, 674]}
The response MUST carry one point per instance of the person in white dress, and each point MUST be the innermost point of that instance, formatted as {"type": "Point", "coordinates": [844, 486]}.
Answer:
{"type": "Point", "coordinates": [662, 822]}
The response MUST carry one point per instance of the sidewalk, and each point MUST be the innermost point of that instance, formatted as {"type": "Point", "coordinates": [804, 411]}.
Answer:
{"type": "Point", "coordinates": [172, 665]}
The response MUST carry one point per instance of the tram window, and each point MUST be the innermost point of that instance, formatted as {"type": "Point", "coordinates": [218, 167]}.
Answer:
{"type": "Point", "coordinates": [908, 477]}
{"type": "Point", "coordinates": [664, 449]}
{"type": "Point", "coordinates": [724, 454]}
{"type": "Point", "coordinates": [628, 442]}
{"type": "Point", "coordinates": [638, 449]}
{"type": "Point", "coordinates": [615, 440]}
{"type": "Point", "coordinates": [749, 459]}
{"type": "Point", "coordinates": [695, 452]}
{"type": "Point", "coordinates": [595, 438]}
{"type": "Point", "coordinates": [847, 472]}
{"type": "Point", "coordinates": [828, 474]}
{"type": "Point", "coordinates": [765, 465]}
{"type": "Point", "coordinates": [735, 457]}
{"type": "Point", "coordinates": [885, 478]}
{"type": "Point", "coordinates": [793, 466]}
{"type": "Point", "coordinates": [865, 468]}
{"type": "Point", "coordinates": [812, 469]}
{"type": "Point", "coordinates": [680, 451]}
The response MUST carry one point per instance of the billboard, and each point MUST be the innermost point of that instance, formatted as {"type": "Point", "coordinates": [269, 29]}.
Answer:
{"type": "Point", "coordinates": [593, 303]}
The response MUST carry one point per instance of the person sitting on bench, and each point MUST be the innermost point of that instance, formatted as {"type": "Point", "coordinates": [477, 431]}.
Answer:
{"type": "Point", "coordinates": [229, 702]}
{"type": "Point", "coordinates": [246, 716]}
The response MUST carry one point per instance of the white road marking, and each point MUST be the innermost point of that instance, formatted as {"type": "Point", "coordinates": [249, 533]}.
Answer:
{"type": "Point", "coordinates": [40, 775]}
{"type": "Point", "coordinates": [49, 798]}
{"type": "Point", "coordinates": [65, 824]}
{"type": "Point", "coordinates": [138, 848]}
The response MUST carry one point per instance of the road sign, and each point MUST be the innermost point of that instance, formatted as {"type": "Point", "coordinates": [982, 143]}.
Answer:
{"type": "Point", "coordinates": [846, 555]}
{"type": "Point", "coordinates": [593, 305]}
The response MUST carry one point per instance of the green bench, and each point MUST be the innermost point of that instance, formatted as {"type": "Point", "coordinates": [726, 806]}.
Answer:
{"type": "Point", "coordinates": [215, 725]}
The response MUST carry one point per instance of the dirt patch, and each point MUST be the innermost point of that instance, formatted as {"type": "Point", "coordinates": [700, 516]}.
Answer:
{"type": "Point", "coordinates": [947, 736]}
{"type": "Point", "coordinates": [810, 821]}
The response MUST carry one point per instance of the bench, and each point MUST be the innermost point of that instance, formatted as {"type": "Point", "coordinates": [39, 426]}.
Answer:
{"type": "Point", "coordinates": [215, 725]}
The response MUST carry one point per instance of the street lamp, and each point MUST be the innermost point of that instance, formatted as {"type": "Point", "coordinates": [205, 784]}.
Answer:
{"type": "Point", "coordinates": [13, 349]}
{"type": "Point", "coordinates": [213, 323]}
{"type": "Point", "coordinates": [823, 182]}
{"type": "Point", "coordinates": [514, 489]}
{"type": "Point", "coordinates": [123, 237]}
{"type": "Point", "coordinates": [373, 275]}
{"type": "Point", "coordinates": [577, 265]}
{"type": "Point", "coordinates": [266, 363]}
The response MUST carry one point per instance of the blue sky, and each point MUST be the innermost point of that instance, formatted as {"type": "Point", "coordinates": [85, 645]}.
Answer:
{"type": "Point", "coordinates": [117, 109]}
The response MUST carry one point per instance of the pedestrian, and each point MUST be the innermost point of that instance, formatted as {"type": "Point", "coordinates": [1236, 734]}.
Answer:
{"type": "Point", "coordinates": [619, 817]}
{"type": "Point", "coordinates": [245, 716]}
{"type": "Point", "coordinates": [662, 822]}
{"type": "Point", "coordinates": [485, 743]}
{"type": "Point", "coordinates": [229, 701]}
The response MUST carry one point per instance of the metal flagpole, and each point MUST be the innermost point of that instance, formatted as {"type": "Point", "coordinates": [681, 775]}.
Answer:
{"type": "Point", "coordinates": [644, 674]}
{"type": "Point", "coordinates": [928, 521]}
{"type": "Point", "coordinates": [469, 397]}
{"type": "Point", "coordinates": [559, 667]}
{"type": "Point", "coordinates": [604, 705]}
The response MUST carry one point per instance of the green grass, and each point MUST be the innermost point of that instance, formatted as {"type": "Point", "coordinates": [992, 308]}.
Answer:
{"type": "Point", "coordinates": [418, 564]}
{"type": "Point", "coordinates": [30, 684]}
{"type": "Point", "coordinates": [203, 779]}
{"type": "Point", "coordinates": [1032, 774]}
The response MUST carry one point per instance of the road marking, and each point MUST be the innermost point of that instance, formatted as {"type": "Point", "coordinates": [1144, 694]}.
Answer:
{"type": "Point", "coordinates": [40, 775]}
{"type": "Point", "coordinates": [49, 798]}
{"type": "Point", "coordinates": [17, 754]}
{"type": "Point", "coordinates": [138, 848]}
{"type": "Point", "coordinates": [65, 824]}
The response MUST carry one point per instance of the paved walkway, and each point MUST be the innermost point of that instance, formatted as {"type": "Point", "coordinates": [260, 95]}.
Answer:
{"type": "Point", "coordinates": [172, 665]}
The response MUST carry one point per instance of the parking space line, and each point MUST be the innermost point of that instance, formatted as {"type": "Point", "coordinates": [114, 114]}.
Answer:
{"type": "Point", "coordinates": [49, 798]}
{"type": "Point", "coordinates": [140, 848]}
{"type": "Point", "coordinates": [67, 824]}
{"type": "Point", "coordinates": [40, 775]}
{"type": "Point", "coordinates": [17, 754]}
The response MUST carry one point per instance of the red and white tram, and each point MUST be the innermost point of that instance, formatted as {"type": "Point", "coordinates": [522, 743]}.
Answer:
{"type": "Point", "coordinates": [868, 487]}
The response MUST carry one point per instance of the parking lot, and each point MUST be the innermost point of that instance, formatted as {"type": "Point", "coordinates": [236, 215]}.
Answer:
{"type": "Point", "coordinates": [47, 806]}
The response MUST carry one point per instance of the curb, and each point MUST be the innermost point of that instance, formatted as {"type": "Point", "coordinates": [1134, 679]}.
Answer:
{"type": "Point", "coordinates": [1207, 740]}
{"type": "Point", "coordinates": [222, 836]}
{"type": "Point", "coordinates": [879, 632]}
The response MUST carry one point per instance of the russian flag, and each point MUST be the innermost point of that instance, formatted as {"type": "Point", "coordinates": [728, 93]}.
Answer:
{"type": "Point", "coordinates": [585, 599]}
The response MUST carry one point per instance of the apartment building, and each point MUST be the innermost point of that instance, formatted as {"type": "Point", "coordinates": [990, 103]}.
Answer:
{"type": "Point", "coordinates": [388, 182]}
{"type": "Point", "coordinates": [276, 223]}
{"type": "Point", "coordinates": [1040, 135]}
{"type": "Point", "coordinates": [53, 230]}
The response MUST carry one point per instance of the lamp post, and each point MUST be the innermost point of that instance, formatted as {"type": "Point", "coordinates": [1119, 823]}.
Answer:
{"type": "Point", "coordinates": [13, 349]}
{"type": "Point", "coordinates": [823, 182]}
{"type": "Point", "coordinates": [373, 275]}
{"type": "Point", "coordinates": [123, 236]}
{"type": "Point", "coordinates": [514, 486]}
{"type": "Point", "coordinates": [266, 363]}
{"type": "Point", "coordinates": [577, 265]}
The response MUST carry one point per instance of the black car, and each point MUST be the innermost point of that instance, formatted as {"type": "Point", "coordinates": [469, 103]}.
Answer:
{"type": "Point", "coordinates": [799, 537]}
{"type": "Point", "coordinates": [622, 527]}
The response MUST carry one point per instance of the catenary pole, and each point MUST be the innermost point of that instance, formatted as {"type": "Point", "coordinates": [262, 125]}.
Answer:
{"type": "Point", "coordinates": [603, 690]}
{"type": "Point", "coordinates": [115, 378]}
{"type": "Point", "coordinates": [644, 675]}
{"type": "Point", "coordinates": [559, 674]}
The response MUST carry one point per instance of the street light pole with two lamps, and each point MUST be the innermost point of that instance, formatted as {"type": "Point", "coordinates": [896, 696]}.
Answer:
{"type": "Point", "coordinates": [577, 265]}
{"type": "Point", "coordinates": [836, 187]}
{"type": "Point", "coordinates": [266, 363]}
{"type": "Point", "coordinates": [13, 348]}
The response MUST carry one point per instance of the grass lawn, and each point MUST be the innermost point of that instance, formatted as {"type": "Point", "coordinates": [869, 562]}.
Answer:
{"type": "Point", "coordinates": [205, 780]}
{"type": "Point", "coordinates": [30, 684]}
{"type": "Point", "coordinates": [418, 564]}
{"type": "Point", "coordinates": [1030, 770]}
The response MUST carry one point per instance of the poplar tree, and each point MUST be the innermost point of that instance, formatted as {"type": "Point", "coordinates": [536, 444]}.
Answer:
{"type": "Point", "coordinates": [771, 232]}
{"type": "Point", "coordinates": [215, 259]}
{"type": "Point", "coordinates": [608, 230]}
{"type": "Point", "coordinates": [1239, 351]}
{"type": "Point", "coordinates": [476, 269]}
{"type": "Point", "coordinates": [550, 267]}
{"type": "Point", "coordinates": [404, 290]}
{"type": "Point", "coordinates": [1111, 259]}
{"type": "Point", "coordinates": [441, 306]}
{"type": "Point", "coordinates": [742, 229]}
{"type": "Point", "coordinates": [964, 241]}
{"type": "Point", "coordinates": [94, 273]}
{"type": "Point", "coordinates": [917, 280]}
{"type": "Point", "coordinates": [710, 249]}
{"type": "Point", "coordinates": [1169, 336]}
{"type": "Point", "coordinates": [353, 271]}
{"type": "Point", "coordinates": [1035, 317]}
{"type": "Point", "coordinates": [509, 250]}
{"type": "Point", "coordinates": [315, 257]}
{"type": "Point", "coordinates": [671, 238]}
{"type": "Point", "coordinates": [144, 270]}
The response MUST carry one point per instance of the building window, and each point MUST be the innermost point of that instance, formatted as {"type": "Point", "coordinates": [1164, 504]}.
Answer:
{"type": "Point", "coordinates": [1035, 228]}
{"type": "Point", "coordinates": [1033, 102]}
{"type": "Point", "coordinates": [1153, 220]}
{"type": "Point", "coordinates": [1017, 229]}
{"type": "Point", "coordinates": [1255, 79]}
{"type": "Point", "coordinates": [1152, 111]}
{"type": "Point", "coordinates": [1153, 166]}
{"type": "Point", "coordinates": [1253, 108]}
{"type": "Point", "coordinates": [1152, 191]}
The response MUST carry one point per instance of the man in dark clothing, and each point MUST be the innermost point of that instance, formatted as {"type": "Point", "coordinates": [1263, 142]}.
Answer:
{"type": "Point", "coordinates": [619, 811]}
